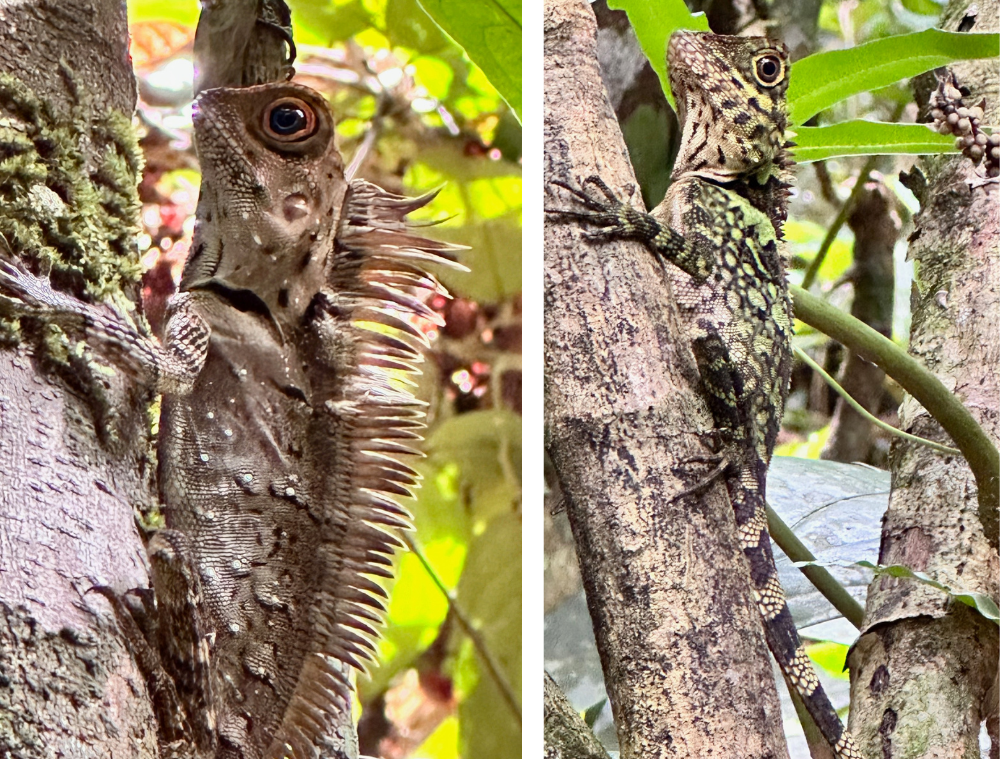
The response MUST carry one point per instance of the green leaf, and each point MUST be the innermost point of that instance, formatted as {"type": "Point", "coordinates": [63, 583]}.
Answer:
{"type": "Point", "coordinates": [321, 22]}
{"type": "Point", "coordinates": [645, 131]}
{"type": "Point", "coordinates": [486, 445]}
{"type": "Point", "coordinates": [490, 594]}
{"type": "Point", "coordinates": [868, 138]}
{"type": "Point", "coordinates": [978, 601]}
{"type": "Point", "coordinates": [490, 33]}
{"type": "Point", "coordinates": [818, 81]}
{"type": "Point", "coordinates": [407, 25]}
{"type": "Point", "coordinates": [593, 712]}
{"type": "Point", "coordinates": [831, 657]}
{"type": "Point", "coordinates": [653, 24]}
{"type": "Point", "coordinates": [923, 7]}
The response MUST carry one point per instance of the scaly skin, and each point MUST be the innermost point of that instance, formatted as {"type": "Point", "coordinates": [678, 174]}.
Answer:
{"type": "Point", "coordinates": [717, 230]}
{"type": "Point", "coordinates": [279, 431]}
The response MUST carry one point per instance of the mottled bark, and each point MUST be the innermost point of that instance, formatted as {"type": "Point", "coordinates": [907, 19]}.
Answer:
{"type": "Point", "coordinates": [73, 442]}
{"type": "Point", "coordinates": [923, 668]}
{"type": "Point", "coordinates": [566, 734]}
{"type": "Point", "coordinates": [680, 639]}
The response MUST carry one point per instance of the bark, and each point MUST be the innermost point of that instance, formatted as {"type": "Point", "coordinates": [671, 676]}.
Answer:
{"type": "Point", "coordinates": [73, 443]}
{"type": "Point", "coordinates": [923, 669]}
{"type": "Point", "coordinates": [240, 43]}
{"type": "Point", "coordinates": [680, 639]}
{"type": "Point", "coordinates": [566, 734]}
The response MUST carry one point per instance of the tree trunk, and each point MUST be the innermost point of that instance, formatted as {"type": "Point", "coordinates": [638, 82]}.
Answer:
{"type": "Point", "coordinates": [680, 639]}
{"type": "Point", "coordinates": [922, 671]}
{"type": "Point", "coordinates": [74, 442]}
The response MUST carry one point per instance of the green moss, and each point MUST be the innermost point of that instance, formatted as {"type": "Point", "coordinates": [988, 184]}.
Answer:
{"type": "Point", "coordinates": [77, 218]}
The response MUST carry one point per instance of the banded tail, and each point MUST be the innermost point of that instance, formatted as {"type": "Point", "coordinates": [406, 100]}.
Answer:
{"type": "Point", "coordinates": [746, 494]}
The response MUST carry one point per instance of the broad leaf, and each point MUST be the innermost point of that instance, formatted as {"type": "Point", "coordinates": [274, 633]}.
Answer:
{"type": "Point", "coordinates": [818, 81]}
{"type": "Point", "coordinates": [653, 24]}
{"type": "Point", "coordinates": [490, 33]}
{"type": "Point", "coordinates": [868, 138]}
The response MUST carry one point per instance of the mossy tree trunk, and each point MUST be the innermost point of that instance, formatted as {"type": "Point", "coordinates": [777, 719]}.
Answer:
{"type": "Point", "coordinates": [923, 673]}
{"type": "Point", "coordinates": [74, 439]}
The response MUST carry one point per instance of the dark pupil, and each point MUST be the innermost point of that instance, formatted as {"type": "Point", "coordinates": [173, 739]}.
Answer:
{"type": "Point", "coordinates": [768, 69]}
{"type": "Point", "coordinates": [287, 120]}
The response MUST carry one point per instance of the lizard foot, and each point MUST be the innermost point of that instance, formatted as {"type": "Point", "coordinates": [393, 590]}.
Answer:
{"type": "Point", "coordinates": [719, 465]}
{"type": "Point", "coordinates": [614, 217]}
{"type": "Point", "coordinates": [162, 691]}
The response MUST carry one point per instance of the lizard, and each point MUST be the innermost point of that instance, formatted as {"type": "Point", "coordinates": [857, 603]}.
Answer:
{"type": "Point", "coordinates": [717, 232]}
{"type": "Point", "coordinates": [298, 314]}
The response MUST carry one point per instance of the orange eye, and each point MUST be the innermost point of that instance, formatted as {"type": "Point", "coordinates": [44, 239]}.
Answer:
{"type": "Point", "coordinates": [289, 120]}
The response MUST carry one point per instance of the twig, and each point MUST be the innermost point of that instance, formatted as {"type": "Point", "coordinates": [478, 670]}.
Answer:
{"type": "Point", "coordinates": [492, 666]}
{"type": "Point", "coordinates": [941, 403]}
{"type": "Point", "coordinates": [866, 413]}
{"type": "Point", "coordinates": [823, 581]}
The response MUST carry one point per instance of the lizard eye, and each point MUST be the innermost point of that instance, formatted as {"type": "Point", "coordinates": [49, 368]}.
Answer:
{"type": "Point", "coordinates": [769, 69]}
{"type": "Point", "coordinates": [289, 120]}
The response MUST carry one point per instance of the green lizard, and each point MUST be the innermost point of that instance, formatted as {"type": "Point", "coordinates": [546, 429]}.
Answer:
{"type": "Point", "coordinates": [718, 229]}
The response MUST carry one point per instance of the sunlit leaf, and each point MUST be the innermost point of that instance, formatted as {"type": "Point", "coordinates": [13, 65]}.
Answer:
{"type": "Point", "coordinates": [490, 593]}
{"type": "Point", "coordinates": [182, 11]}
{"type": "Point", "coordinates": [803, 239]}
{"type": "Point", "coordinates": [434, 74]}
{"type": "Point", "coordinates": [486, 446]}
{"type": "Point", "coordinates": [869, 138]}
{"type": "Point", "coordinates": [416, 599]}
{"type": "Point", "coordinates": [494, 255]}
{"type": "Point", "coordinates": [408, 25]}
{"type": "Point", "coordinates": [490, 33]}
{"type": "Point", "coordinates": [443, 742]}
{"type": "Point", "coordinates": [831, 657]}
{"type": "Point", "coordinates": [818, 81]}
{"type": "Point", "coordinates": [324, 22]}
{"type": "Point", "coordinates": [923, 7]}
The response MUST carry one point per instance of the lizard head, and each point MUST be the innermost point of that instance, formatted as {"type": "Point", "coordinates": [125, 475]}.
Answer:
{"type": "Point", "coordinates": [730, 94]}
{"type": "Point", "coordinates": [272, 189]}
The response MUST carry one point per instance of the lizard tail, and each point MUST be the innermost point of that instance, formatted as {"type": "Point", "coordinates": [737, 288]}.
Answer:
{"type": "Point", "coordinates": [377, 316]}
{"type": "Point", "coordinates": [747, 497]}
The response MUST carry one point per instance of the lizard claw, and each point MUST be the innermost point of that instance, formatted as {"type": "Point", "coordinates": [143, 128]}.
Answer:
{"type": "Point", "coordinates": [721, 464]}
{"type": "Point", "coordinates": [30, 294]}
{"type": "Point", "coordinates": [612, 216]}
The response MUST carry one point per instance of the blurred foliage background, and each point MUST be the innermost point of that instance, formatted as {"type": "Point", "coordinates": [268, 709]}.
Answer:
{"type": "Point", "coordinates": [421, 103]}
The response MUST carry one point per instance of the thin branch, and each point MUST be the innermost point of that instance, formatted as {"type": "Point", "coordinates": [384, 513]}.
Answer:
{"type": "Point", "coordinates": [941, 403]}
{"type": "Point", "coordinates": [844, 212]}
{"type": "Point", "coordinates": [838, 223]}
{"type": "Point", "coordinates": [823, 581]}
{"type": "Point", "coordinates": [492, 666]}
{"type": "Point", "coordinates": [866, 413]}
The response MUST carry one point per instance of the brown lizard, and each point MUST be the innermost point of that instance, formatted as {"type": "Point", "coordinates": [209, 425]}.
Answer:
{"type": "Point", "coordinates": [282, 417]}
